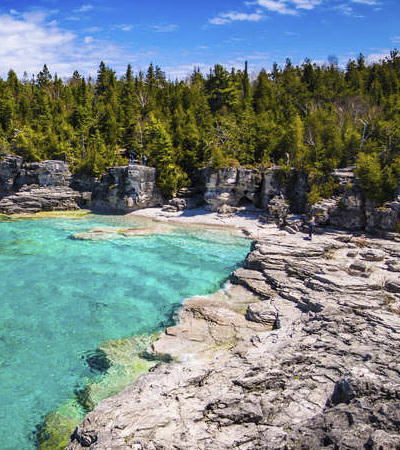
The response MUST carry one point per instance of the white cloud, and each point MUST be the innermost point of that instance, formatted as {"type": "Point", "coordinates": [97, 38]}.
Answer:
{"type": "Point", "coordinates": [233, 16]}
{"type": "Point", "coordinates": [306, 4]}
{"type": "Point", "coordinates": [84, 8]}
{"type": "Point", "coordinates": [165, 28]}
{"type": "Point", "coordinates": [290, 7]}
{"type": "Point", "coordinates": [279, 6]}
{"type": "Point", "coordinates": [347, 10]}
{"type": "Point", "coordinates": [366, 2]}
{"type": "Point", "coordinates": [219, 21]}
{"type": "Point", "coordinates": [93, 30]}
{"type": "Point", "coordinates": [123, 27]}
{"type": "Point", "coordinates": [378, 56]}
{"type": "Point", "coordinates": [29, 41]}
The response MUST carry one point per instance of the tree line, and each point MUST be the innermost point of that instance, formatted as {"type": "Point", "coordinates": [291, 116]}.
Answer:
{"type": "Point", "coordinates": [309, 117]}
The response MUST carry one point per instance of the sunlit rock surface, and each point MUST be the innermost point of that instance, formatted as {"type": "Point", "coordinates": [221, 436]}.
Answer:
{"type": "Point", "coordinates": [315, 364]}
{"type": "Point", "coordinates": [125, 188]}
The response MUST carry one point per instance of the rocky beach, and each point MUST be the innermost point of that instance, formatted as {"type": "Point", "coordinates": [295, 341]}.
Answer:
{"type": "Point", "coordinates": [299, 351]}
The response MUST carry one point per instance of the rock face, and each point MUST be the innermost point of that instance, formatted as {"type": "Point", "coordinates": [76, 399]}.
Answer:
{"type": "Point", "coordinates": [227, 189]}
{"type": "Point", "coordinates": [125, 188]}
{"type": "Point", "coordinates": [384, 218]}
{"type": "Point", "coordinates": [33, 187]}
{"type": "Point", "coordinates": [10, 166]}
{"type": "Point", "coordinates": [49, 185]}
{"type": "Point", "coordinates": [32, 199]}
{"type": "Point", "coordinates": [271, 187]}
{"type": "Point", "coordinates": [231, 186]}
{"type": "Point", "coordinates": [313, 365]}
{"type": "Point", "coordinates": [45, 173]}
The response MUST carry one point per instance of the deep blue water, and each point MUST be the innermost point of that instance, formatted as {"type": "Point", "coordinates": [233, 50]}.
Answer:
{"type": "Point", "coordinates": [60, 298]}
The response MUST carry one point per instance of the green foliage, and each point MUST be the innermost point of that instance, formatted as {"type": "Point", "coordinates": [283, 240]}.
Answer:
{"type": "Point", "coordinates": [370, 173]}
{"type": "Point", "coordinates": [312, 118]}
{"type": "Point", "coordinates": [322, 185]}
{"type": "Point", "coordinates": [314, 196]}
{"type": "Point", "coordinates": [378, 180]}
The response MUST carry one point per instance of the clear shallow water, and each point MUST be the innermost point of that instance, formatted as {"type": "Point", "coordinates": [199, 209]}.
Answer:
{"type": "Point", "coordinates": [60, 298]}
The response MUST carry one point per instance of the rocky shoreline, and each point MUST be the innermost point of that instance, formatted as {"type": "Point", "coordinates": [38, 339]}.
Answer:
{"type": "Point", "coordinates": [300, 352]}
{"type": "Point", "coordinates": [50, 186]}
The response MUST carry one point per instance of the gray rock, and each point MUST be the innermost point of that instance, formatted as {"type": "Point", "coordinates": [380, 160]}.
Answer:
{"type": "Point", "coordinates": [125, 188]}
{"type": "Point", "coordinates": [393, 286]}
{"type": "Point", "coordinates": [383, 218]}
{"type": "Point", "coordinates": [278, 208]}
{"type": "Point", "coordinates": [175, 205]}
{"type": "Point", "coordinates": [39, 186]}
{"type": "Point", "coordinates": [45, 174]}
{"type": "Point", "coordinates": [262, 312]}
{"type": "Point", "coordinates": [393, 266]}
{"type": "Point", "coordinates": [372, 255]}
{"type": "Point", "coordinates": [35, 199]}
{"type": "Point", "coordinates": [10, 166]}
{"type": "Point", "coordinates": [231, 186]}
{"type": "Point", "coordinates": [328, 377]}
{"type": "Point", "coordinates": [358, 266]}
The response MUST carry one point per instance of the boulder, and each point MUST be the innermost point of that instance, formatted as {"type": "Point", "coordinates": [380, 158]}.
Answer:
{"type": "Point", "coordinates": [349, 213]}
{"type": "Point", "coordinates": [322, 210]}
{"type": "Point", "coordinates": [372, 254]}
{"type": "Point", "coordinates": [175, 204]}
{"type": "Point", "coordinates": [278, 208]}
{"type": "Point", "coordinates": [262, 312]}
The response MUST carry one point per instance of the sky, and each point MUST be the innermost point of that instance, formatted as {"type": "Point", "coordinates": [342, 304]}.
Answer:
{"type": "Point", "coordinates": [179, 35]}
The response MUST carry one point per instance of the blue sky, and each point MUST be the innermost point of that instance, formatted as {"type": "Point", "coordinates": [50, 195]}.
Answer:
{"type": "Point", "coordinates": [179, 35]}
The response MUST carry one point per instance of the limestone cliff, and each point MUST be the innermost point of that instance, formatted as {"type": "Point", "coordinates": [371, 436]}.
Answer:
{"type": "Point", "coordinates": [49, 185]}
{"type": "Point", "coordinates": [125, 188]}
{"type": "Point", "coordinates": [270, 189]}
{"type": "Point", "coordinates": [40, 186]}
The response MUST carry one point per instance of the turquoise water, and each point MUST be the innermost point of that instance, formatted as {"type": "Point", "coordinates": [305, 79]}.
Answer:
{"type": "Point", "coordinates": [60, 298]}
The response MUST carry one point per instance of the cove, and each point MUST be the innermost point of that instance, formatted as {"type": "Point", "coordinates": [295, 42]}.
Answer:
{"type": "Point", "coordinates": [61, 297]}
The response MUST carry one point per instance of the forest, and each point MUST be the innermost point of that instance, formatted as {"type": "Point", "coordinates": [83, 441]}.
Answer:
{"type": "Point", "coordinates": [312, 118]}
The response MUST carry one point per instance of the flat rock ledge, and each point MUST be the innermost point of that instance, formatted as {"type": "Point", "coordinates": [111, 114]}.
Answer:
{"type": "Point", "coordinates": [301, 353]}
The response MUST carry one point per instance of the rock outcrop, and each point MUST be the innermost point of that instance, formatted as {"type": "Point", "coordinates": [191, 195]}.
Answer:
{"type": "Point", "coordinates": [125, 188]}
{"type": "Point", "coordinates": [32, 199]}
{"type": "Point", "coordinates": [312, 365]}
{"type": "Point", "coordinates": [49, 185]}
{"type": "Point", "coordinates": [231, 187]}
{"type": "Point", "coordinates": [227, 189]}
{"type": "Point", "coordinates": [10, 167]}
{"type": "Point", "coordinates": [34, 187]}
